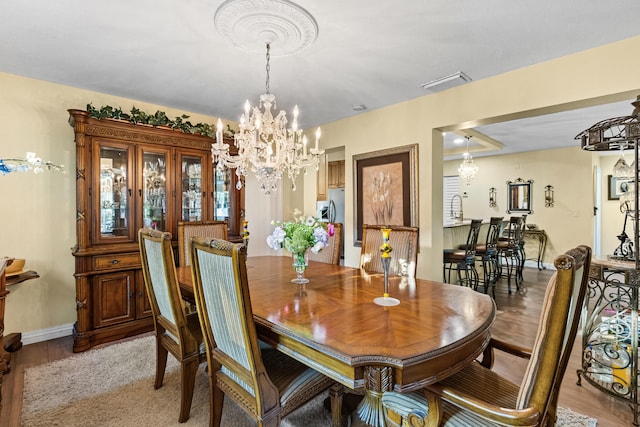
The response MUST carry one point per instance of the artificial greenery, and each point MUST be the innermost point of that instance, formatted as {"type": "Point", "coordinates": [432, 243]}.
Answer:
{"type": "Point", "coordinates": [136, 116]}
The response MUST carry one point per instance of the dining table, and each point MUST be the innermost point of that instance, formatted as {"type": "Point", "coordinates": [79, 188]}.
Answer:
{"type": "Point", "coordinates": [333, 325]}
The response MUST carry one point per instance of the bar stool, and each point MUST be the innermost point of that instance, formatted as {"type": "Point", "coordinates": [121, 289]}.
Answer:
{"type": "Point", "coordinates": [511, 251]}
{"type": "Point", "coordinates": [522, 255]}
{"type": "Point", "coordinates": [487, 253]}
{"type": "Point", "coordinates": [463, 259]}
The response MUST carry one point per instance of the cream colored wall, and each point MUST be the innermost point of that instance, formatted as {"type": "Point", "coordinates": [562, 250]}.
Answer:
{"type": "Point", "coordinates": [612, 218]}
{"type": "Point", "coordinates": [568, 223]}
{"type": "Point", "coordinates": [37, 217]}
{"type": "Point", "coordinates": [566, 83]}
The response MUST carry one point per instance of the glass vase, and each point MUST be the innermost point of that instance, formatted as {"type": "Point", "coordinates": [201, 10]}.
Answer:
{"type": "Point", "coordinates": [300, 262]}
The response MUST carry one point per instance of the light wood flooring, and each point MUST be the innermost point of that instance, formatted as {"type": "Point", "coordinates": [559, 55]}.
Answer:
{"type": "Point", "coordinates": [517, 321]}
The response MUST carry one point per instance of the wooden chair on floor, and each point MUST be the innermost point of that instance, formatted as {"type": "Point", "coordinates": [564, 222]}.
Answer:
{"type": "Point", "coordinates": [267, 383]}
{"type": "Point", "coordinates": [477, 396]}
{"type": "Point", "coordinates": [207, 229]}
{"type": "Point", "coordinates": [331, 253]}
{"type": "Point", "coordinates": [176, 331]}
{"type": "Point", "coordinates": [403, 240]}
{"type": "Point", "coordinates": [463, 260]}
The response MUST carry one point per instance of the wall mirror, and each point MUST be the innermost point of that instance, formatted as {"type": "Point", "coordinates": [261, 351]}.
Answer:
{"type": "Point", "coordinates": [519, 195]}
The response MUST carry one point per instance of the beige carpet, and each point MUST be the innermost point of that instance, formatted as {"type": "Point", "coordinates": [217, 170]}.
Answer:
{"type": "Point", "coordinates": [113, 386]}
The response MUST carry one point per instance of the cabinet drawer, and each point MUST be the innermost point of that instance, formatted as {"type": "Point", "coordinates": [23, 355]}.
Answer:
{"type": "Point", "coordinates": [108, 262]}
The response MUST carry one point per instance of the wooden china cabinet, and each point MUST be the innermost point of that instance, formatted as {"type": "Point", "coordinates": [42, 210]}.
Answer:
{"type": "Point", "coordinates": [130, 176]}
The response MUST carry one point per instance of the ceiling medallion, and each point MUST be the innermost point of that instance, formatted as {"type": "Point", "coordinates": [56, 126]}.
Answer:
{"type": "Point", "coordinates": [249, 24]}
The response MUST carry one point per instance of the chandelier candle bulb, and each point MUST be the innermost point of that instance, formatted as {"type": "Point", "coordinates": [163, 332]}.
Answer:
{"type": "Point", "coordinates": [219, 132]}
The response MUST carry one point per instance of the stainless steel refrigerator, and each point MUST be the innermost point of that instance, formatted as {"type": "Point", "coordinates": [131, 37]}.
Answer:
{"type": "Point", "coordinates": [336, 205]}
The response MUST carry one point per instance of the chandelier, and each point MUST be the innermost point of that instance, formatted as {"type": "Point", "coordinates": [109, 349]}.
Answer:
{"type": "Point", "coordinates": [265, 146]}
{"type": "Point", "coordinates": [468, 169]}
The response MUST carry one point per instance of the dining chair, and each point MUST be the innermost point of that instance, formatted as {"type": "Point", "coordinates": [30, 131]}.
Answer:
{"type": "Point", "coordinates": [266, 383]}
{"type": "Point", "coordinates": [404, 256]}
{"type": "Point", "coordinates": [478, 396]}
{"type": "Point", "coordinates": [463, 260]}
{"type": "Point", "coordinates": [331, 253]}
{"type": "Point", "coordinates": [189, 229]}
{"type": "Point", "coordinates": [176, 331]}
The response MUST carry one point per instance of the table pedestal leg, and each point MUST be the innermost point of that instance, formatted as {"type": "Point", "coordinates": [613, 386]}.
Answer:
{"type": "Point", "coordinates": [370, 412]}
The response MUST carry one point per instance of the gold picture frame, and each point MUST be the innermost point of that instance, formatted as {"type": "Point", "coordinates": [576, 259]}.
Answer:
{"type": "Point", "coordinates": [385, 183]}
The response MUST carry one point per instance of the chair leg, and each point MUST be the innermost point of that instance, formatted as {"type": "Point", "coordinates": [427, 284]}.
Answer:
{"type": "Point", "coordinates": [187, 384]}
{"type": "Point", "coordinates": [475, 277]}
{"type": "Point", "coordinates": [161, 363]}
{"type": "Point", "coordinates": [336, 393]}
{"type": "Point", "coordinates": [460, 280]}
{"type": "Point", "coordinates": [216, 400]}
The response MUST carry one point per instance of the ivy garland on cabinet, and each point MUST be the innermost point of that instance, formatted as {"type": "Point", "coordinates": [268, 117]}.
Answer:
{"type": "Point", "coordinates": [159, 118]}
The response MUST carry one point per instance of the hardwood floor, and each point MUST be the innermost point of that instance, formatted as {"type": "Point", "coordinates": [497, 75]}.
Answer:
{"type": "Point", "coordinates": [517, 321]}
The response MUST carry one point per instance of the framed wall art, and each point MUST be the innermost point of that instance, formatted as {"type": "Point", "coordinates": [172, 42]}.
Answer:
{"type": "Point", "coordinates": [618, 186]}
{"type": "Point", "coordinates": [385, 183]}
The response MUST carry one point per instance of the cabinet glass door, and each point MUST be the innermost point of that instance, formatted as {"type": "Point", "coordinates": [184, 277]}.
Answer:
{"type": "Point", "coordinates": [114, 195]}
{"type": "Point", "coordinates": [154, 190]}
{"type": "Point", "coordinates": [192, 188]}
{"type": "Point", "coordinates": [222, 186]}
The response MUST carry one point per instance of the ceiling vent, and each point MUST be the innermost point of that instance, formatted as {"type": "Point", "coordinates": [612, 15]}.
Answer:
{"type": "Point", "coordinates": [446, 82]}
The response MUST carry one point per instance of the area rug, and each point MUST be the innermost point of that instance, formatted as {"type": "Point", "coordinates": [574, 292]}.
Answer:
{"type": "Point", "coordinates": [113, 386]}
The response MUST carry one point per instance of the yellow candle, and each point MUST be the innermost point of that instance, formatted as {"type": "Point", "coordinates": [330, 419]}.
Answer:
{"type": "Point", "coordinates": [385, 248]}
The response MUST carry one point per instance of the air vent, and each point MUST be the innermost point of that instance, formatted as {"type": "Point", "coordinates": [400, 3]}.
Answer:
{"type": "Point", "coordinates": [446, 82]}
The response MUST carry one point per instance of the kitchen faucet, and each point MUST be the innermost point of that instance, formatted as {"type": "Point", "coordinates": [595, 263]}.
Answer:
{"type": "Point", "coordinates": [459, 216]}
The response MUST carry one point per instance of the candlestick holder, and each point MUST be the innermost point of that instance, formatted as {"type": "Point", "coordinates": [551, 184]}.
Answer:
{"type": "Point", "coordinates": [385, 256]}
{"type": "Point", "coordinates": [245, 233]}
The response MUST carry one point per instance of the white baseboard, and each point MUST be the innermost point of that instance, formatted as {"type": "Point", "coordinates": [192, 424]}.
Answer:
{"type": "Point", "coordinates": [534, 264]}
{"type": "Point", "coordinates": [47, 334]}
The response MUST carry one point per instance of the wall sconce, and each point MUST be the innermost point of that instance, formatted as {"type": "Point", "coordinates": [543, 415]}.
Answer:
{"type": "Point", "coordinates": [548, 196]}
{"type": "Point", "coordinates": [492, 197]}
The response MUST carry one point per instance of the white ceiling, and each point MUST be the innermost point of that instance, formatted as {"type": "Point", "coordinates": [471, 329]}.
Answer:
{"type": "Point", "coordinates": [371, 52]}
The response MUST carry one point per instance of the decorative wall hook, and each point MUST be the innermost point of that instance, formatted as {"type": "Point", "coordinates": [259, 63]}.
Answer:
{"type": "Point", "coordinates": [548, 196]}
{"type": "Point", "coordinates": [492, 197]}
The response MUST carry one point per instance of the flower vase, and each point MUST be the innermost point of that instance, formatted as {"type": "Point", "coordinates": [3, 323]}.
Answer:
{"type": "Point", "coordinates": [300, 262]}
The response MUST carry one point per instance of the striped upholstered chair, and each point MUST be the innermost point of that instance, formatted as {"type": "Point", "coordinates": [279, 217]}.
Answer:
{"type": "Point", "coordinates": [331, 253]}
{"type": "Point", "coordinates": [176, 331]}
{"type": "Point", "coordinates": [477, 396]}
{"type": "Point", "coordinates": [266, 383]}
{"type": "Point", "coordinates": [403, 240]}
{"type": "Point", "coordinates": [189, 229]}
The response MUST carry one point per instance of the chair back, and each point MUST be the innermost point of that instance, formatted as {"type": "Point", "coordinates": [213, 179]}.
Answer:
{"type": "Point", "coordinates": [521, 227]}
{"type": "Point", "coordinates": [403, 240]}
{"type": "Point", "coordinates": [472, 240]}
{"type": "Point", "coordinates": [331, 253]}
{"type": "Point", "coordinates": [557, 330]}
{"type": "Point", "coordinates": [493, 232]}
{"type": "Point", "coordinates": [161, 282]}
{"type": "Point", "coordinates": [187, 230]}
{"type": "Point", "coordinates": [511, 233]}
{"type": "Point", "coordinates": [222, 296]}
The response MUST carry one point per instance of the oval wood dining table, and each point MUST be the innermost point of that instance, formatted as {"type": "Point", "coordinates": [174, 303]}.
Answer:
{"type": "Point", "coordinates": [333, 325]}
